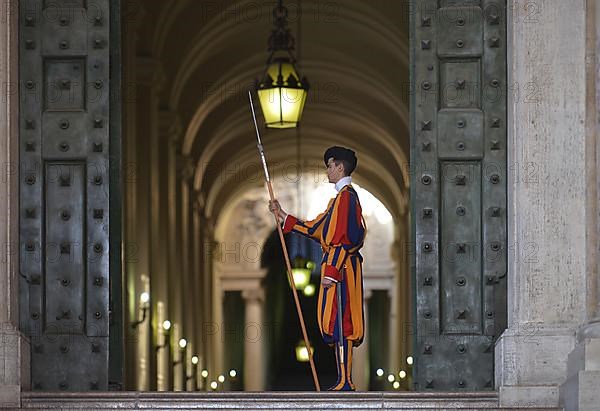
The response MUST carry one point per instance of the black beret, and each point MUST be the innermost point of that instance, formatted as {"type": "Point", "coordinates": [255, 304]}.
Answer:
{"type": "Point", "coordinates": [341, 153]}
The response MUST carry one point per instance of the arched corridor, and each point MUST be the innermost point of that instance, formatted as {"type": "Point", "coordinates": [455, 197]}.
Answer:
{"type": "Point", "coordinates": [191, 172]}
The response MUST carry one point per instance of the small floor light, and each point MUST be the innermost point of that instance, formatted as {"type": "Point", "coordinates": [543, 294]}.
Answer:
{"type": "Point", "coordinates": [302, 352]}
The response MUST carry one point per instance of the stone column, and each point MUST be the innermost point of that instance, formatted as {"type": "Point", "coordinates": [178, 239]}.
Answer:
{"type": "Point", "coordinates": [579, 391]}
{"type": "Point", "coordinates": [178, 358]}
{"type": "Point", "coordinates": [149, 80]}
{"type": "Point", "coordinates": [156, 166]}
{"type": "Point", "coordinates": [134, 13]}
{"type": "Point", "coordinates": [178, 220]}
{"type": "Point", "coordinates": [547, 183]}
{"type": "Point", "coordinates": [394, 341]}
{"type": "Point", "coordinates": [186, 172]}
{"type": "Point", "coordinates": [215, 329]}
{"type": "Point", "coordinates": [14, 346]}
{"type": "Point", "coordinates": [360, 356]}
{"type": "Point", "coordinates": [198, 291]}
{"type": "Point", "coordinates": [163, 373]}
{"type": "Point", "coordinates": [210, 325]}
{"type": "Point", "coordinates": [254, 343]}
{"type": "Point", "coordinates": [189, 368]}
{"type": "Point", "coordinates": [143, 332]}
{"type": "Point", "coordinates": [174, 251]}
{"type": "Point", "coordinates": [169, 129]}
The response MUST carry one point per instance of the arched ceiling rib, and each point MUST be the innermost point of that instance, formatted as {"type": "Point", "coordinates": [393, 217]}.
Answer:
{"type": "Point", "coordinates": [245, 170]}
{"type": "Point", "coordinates": [229, 189]}
{"type": "Point", "coordinates": [359, 130]}
{"type": "Point", "coordinates": [355, 82]}
{"type": "Point", "coordinates": [361, 21]}
{"type": "Point", "coordinates": [355, 51]}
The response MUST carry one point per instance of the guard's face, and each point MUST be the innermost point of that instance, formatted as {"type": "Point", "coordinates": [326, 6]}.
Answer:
{"type": "Point", "coordinates": [334, 172]}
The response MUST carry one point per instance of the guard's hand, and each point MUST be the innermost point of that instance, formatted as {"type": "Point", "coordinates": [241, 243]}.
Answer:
{"type": "Point", "coordinates": [327, 282]}
{"type": "Point", "coordinates": [274, 207]}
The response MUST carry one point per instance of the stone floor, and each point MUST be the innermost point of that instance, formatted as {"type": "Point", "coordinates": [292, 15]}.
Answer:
{"type": "Point", "coordinates": [266, 400]}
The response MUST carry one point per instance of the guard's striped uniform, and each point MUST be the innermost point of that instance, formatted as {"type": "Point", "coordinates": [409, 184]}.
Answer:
{"type": "Point", "coordinates": [341, 231]}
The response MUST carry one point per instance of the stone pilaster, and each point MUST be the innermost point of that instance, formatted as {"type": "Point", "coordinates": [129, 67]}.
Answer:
{"type": "Point", "coordinates": [548, 258]}
{"type": "Point", "coordinates": [178, 355]}
{"type": "Point", "coordinates": [162, 350]}
{"type": "Point", "coordinates": [197, 287]}
{"type": "Point", "coordinates": [187, 285]}
{"type": "Point", "coordinates": [169, 128]}
{"type": "Point", "coordinates": [149, 80]}
{"type": "Point", "coordinates": [208, 293]}
{"type": "Point", "coordinates": [14, 346]}
{"type": "Point", "coordinates": [579, 391]}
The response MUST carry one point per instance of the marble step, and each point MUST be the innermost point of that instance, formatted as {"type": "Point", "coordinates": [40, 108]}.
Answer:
{"type": "Point", "coordinates": [474, 401]}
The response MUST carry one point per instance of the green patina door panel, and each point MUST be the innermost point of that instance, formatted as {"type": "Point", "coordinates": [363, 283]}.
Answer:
{"type": "Point", "coordinates": [458, 190]}
{"type": "Point", "coordinates": [69, 160]}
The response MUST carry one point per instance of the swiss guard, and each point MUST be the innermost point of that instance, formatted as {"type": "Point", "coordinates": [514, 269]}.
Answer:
{"type": "Point", "coordinates": [340, 230]}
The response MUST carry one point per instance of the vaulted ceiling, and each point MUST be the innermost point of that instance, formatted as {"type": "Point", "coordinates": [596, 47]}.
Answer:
{"type": "Point", "coordinates": [354, 53]}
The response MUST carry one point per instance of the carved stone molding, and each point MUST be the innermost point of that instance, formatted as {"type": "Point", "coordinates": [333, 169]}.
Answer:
{"type": "Point", "coordinates": [169, 126]}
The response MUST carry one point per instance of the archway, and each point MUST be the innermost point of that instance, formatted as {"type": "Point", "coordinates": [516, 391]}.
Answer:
{"type": "Point", "coordinates": [244, 228]}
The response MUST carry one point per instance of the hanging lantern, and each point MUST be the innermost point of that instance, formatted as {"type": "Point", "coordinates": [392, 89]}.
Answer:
{"type": "Point", "coordinates": [301, 277]}
{"type": "Point", "coordinates": [281, 91]}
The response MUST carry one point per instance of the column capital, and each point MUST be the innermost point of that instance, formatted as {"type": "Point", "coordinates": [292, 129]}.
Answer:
{"type": "Point", "coordinates": [186, 167]}
{"type": "Point", "coordinates": [199, 201]}
{"type": "Point", "coordinates": [132, 15]}
{"type": "Point", "coordinates": [209, 227]}
{"type": "Point", "coordinates": [396, 249]}
{"type": "Point", "coordinates": [169, 125]}
{"type": "Point", "coordinates": [253, 294]}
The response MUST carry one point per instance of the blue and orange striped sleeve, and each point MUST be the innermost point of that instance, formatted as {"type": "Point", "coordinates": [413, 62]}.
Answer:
{"type": "Point", "coordinates": [344, 233]}
{"type": "Point", "coordinates": [312, 229]}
